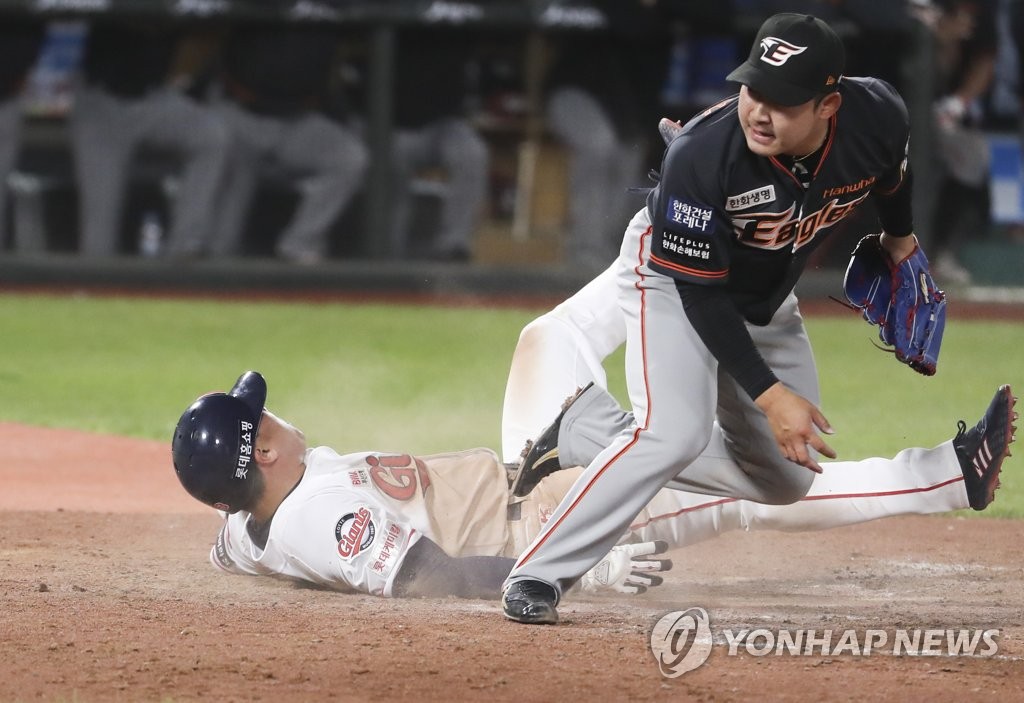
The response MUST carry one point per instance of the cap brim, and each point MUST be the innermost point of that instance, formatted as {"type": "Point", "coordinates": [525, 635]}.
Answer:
{"type": "Point", "coordinates": [251, 389]}
{"type": "Point", "coordinates": [769, 87]}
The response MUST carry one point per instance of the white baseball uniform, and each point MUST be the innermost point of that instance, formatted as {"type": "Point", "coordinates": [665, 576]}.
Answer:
{"type": "Point", "coordinates": [351, 520]}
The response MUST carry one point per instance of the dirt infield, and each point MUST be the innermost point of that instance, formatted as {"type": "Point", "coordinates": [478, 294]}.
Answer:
{"type": "Point", "coordinates": [108, 596]}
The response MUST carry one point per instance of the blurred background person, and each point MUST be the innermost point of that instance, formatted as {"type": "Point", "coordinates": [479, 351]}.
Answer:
{"type": "Point", "coordinates": [966, 44]}
{"type": "Point", "coordinates": [275, 93]}
{"type": "Point", "coordinates": [1014, 17]}
{"type": "Point", "coordinates": [432, 82]}
{"type": "Point", "coordinates": [605, 91]}
{"type": "Point", "coordinates": [130, 96]}
{"type": "Point", "coordinates": [20, 42]}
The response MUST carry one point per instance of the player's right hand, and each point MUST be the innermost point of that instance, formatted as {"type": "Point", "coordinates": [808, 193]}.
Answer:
{"type": "Point", "coordinates": [794, 421]}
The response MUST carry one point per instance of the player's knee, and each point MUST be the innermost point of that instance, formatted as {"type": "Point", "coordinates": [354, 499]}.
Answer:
{"type": "Point", "coordinates": [778, 481]}
{"type": "Point", "coordinates": [472, 156]}
{"type": "Point", "coordinates": [794, 492]}
{"type": "Point", "coordinates": [545, 331]}
{"type": "Point", "coordinates": [350, 159]}
{"type": "Point", "coordinates": [674, 450]}
{"type": "Point", "coordinates": [208, 136]}
{"type": "Point", "coordinates": [791, 486]}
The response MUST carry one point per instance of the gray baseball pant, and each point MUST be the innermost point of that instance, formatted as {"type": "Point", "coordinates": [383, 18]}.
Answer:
{"type": "Point", "coordinates": [328, 161]}
{"type": "Point", "coordinates": [677, 392]}
{"type": "Point", "coordinates": [106, 132]}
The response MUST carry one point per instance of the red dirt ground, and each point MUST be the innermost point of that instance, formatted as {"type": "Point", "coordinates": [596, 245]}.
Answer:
{"type": "Point", "coordinates": [108, 596]}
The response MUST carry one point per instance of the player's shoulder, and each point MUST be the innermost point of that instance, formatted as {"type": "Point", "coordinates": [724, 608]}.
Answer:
{"type": "Point", "coordinates": [326, 461]}
{"type": "Point", "coordinates": [332, 479]}
{"type": "Point", "coordinates": [710, 138]}
{"type": "Point", "coordinates": [713, 125]}
{"type": "Point", "coordinates": [871, 99]}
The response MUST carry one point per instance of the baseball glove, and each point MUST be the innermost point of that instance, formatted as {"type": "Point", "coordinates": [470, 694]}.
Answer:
{"type": "Point", "coordinates": [627, 568]}
{"type": "Point", "coordinates": [901, 299]}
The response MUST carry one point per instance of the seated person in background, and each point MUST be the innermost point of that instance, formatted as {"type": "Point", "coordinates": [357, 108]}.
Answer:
{"type": "Point", "coordinates": [130, 97]}
{"type": "Point", "coordinates": [20, 41]}
{"type": "Point", "coordinates": [601, 98]}
{"type": "Point", "coordinates": [432, 131]}
{"type": "Point", "coordinates": [965, 48]}
{"type": "Point", "coordinates": [274, 92]}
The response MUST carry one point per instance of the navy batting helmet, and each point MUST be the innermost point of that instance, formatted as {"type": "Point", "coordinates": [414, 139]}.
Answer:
{"type": "Point", "coordinates": [214, 444]}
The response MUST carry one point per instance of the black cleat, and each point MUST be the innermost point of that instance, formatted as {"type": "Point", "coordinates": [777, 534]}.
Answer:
{"type": "Point", "coordinates": [982, 448]}
{"type": "Point", "coordinates": [540, 457]}
{"type": "Point", "coordinates": [531, 602]}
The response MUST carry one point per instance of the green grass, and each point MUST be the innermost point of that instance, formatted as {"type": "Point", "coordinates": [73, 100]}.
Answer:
{"type": "Point", "coordinates": [356, 376]}
{"type": "Point", "coordinates": [389, 377]}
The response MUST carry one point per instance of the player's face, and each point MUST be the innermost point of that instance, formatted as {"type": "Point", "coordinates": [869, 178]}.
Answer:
{"type": "Point", "coordinates": [772, 129]}
{"type": "Point", "coordinates": [286, 436]}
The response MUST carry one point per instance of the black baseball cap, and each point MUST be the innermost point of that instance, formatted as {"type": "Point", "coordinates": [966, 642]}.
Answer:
{"type": "Point", "coordinates": [214, 444]}
{"type": "Point", "coordinates": [795, 58]}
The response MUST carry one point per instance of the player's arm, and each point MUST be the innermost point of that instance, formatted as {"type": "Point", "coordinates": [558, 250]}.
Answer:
{"type": "Point", "coordinates": [792, 417]}
{"type": "Point", "coordinates": [693, 250]}
{"type": "Point", "coordinates": [230, 550]}
{"type": "Point", "coordinates": [892, 194]}
{"type": "Point", "coordinates": [904, 300]}
{"type": "Point", "coordinates": [428, 571]}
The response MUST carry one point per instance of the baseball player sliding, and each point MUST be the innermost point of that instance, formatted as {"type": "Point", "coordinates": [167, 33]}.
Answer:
{"type": "Point", "coordinates": [450, 524]}
{"type": "Point", "coordinates": [719, 368]}
{"type": "Point", "coordinates": [378, 523]}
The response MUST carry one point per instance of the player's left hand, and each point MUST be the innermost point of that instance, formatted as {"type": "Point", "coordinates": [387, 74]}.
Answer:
{"type": "Point", "coordinates": [628, 568]}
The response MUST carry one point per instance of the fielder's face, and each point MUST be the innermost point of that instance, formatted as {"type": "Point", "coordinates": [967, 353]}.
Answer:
{"type": "Point", "coordinates": [772, 129]}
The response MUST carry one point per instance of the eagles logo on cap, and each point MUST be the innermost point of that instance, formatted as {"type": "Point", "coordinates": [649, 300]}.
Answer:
{"type": "Point", "coordinates": [795, 58]}
{"type": "Point", "coordinates": [775, 51]}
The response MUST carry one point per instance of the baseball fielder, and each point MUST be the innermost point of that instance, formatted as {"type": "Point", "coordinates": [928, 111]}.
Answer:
{"type": "Point", "coordinates": [562, 351]}
{"type": "Point", "coordinates": [719, 369]}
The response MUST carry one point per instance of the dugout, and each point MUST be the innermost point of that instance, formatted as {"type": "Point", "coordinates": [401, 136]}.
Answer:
{"type": "Point", "coordinates": [526, 210]}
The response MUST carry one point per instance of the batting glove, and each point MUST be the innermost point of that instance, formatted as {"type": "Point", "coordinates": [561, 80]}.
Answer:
{"type": "Point", "coordinates": [627, 568]}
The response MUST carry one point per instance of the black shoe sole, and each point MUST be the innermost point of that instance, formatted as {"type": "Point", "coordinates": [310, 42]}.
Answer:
{"type": "Point", "coordinates": [527, 477]}
{"type": "Point", "coordinates": [547, 616]}
{"type": "Point", "coordinates": [991, 483]}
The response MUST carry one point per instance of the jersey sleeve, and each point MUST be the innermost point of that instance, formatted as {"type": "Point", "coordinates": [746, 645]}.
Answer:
{"type": "Point", "coordinates": [232, 550]}
{"type": "Point", "coordinates": [891, 114]}
{"type": "Point", "coordinates": [227, 553]}
{"type": "Point", "coordinates": [892, 192]}
{"type": "Point", "coordinates": [691, 233]}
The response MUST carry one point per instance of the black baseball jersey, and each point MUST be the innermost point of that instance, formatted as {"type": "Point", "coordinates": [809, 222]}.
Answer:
{"type": "Point", "coordinates": [724, 216]}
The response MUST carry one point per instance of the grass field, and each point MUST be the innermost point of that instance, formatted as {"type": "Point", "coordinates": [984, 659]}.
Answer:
{"type": "Point", "coordinates": [386, 377]}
